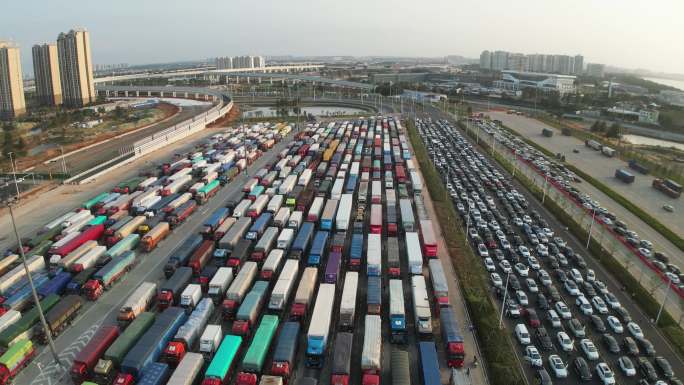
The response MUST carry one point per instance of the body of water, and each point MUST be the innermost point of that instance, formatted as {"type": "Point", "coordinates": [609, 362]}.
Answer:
{"type": "Point", "coordinates": [313, 110]}
{"type": "Point", "coordinates": [668, 82]}
{"type": "Point", "coordinates": [638, 139]}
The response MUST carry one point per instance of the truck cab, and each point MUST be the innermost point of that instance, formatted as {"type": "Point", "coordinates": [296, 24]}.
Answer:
{"type": "Point", "coordinates": [93, 289]}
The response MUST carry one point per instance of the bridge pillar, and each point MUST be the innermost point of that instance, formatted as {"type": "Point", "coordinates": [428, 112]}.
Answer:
{"type": "Point", "coordinates": [271, 79]}
{"type": "Point", "coordinates": [174, 94]}
{"type": "Point", "coordinates": [196, 95]}
{"type": "Point", "coordinates": [137, 93]}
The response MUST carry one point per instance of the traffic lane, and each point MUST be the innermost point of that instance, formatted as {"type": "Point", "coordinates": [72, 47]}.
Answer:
{"type": "Point", "coordinates": [106, 308]}
{"type": "Point", "coordinates": [663, 347]}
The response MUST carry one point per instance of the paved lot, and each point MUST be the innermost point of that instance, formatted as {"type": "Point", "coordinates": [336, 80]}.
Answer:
{"type": "Point", "coordinates": [603, 169]}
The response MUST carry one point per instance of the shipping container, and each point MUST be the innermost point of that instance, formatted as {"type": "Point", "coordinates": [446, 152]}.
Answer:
{"type": "Point", "coordinates": [341, 367]}
{"type": "Point", "coordinates": [414, 253]}
{"type": "Point", "coordinates": [283, 361]}
{"type": "Point", "coordinates": [304, 294]}
{"type": "Point", "coordinates": [301, 242]}
{"type": "Point", "coordinates": [318, 248]}
{"type": "Point", "coordinates": [421, 305]}
{"type": "Point", "coordinates": [397, 313]}
{"type": "Point", "coordinates": [400, 365]}
{"type": "Point", "coordinates": [440, 286]}
{"type": "Point", "coordinates": [452, 338]}
{"type": "Point", "coordinates": [238, 289]}
{"type": "Point", "coordinates": [429, 363]}
{"type": "Point", "coordinates": [319, 328]}
{"type": "Point", "coordinates": [348, 302]}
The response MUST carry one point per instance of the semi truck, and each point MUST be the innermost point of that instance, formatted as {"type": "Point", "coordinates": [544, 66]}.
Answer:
{"type": "Point", "coordinates": [219, 284]}
{"type": "Point", "coordinates": [182, 254]}
{"type": "Point", "coordinates": [265, 244]}
{"type": "Point", "coordinates": [186, 336]}
{"type": "Point", "coordinates": [188, 370]}
{"type": "Point", "coordinates": [348, 302]}
{"type": "Point", "coordinates": [152, 238]}
{"type": "Point", "coordinates": [250, 309]}
{"type": "Point", "coordinates": [400, 365]}
{"type": "Point", "coordinates": [374, 295]}
{"type": "Point", "coordinates": [283, 287]}
{"type": "Point", "coordinates": [59, 317]}
{"type": "Point", "coordinates": [440, 286]}
{"type": "Point", "coordinates": [224, 361]}
{"type": "Point", "coordinates": [238, 289]}
{"type": "Point", "coordinates": [668, 187]}
{"type": "Point", "coordinates": [24, 327]}
{"type": "Point", "coordinates": [170, 291]}
{"type": "Point", "coordinates": [87, 358]}
{"type": "Point", "coordinates": [283, 362]}
{"type": "Point", "coordinates": [201, 256]}
{"type": "Point", "coordinates": [190, 297]}
{"type": "Point", "coordinates": [304, 294]}
{"type": "Point", "coordinates": [397, 312]}
{"type": "Point", "coordinates": [138, 302]}
{"type": "Point", "coordinates": [453, 340]}
{"type": "Point", "coordinates": [393, 262]}
{"type": "Point", "coordinates": [341, 367]}
{"type": "Point", "coordinates": [355, 251]}
{"type": "Point", "coordinates": [107, 366]}
{"type": "Point", "coordinates": [374, 255]}
{"type": "Point", "coordinates": [634, 165]}
{"type": "Point", "coordinates": [15, 359]}
{"type": "Point", "coordinates": [319, 327]}
{"type": "Point", "coordinates": [344, 212]}
{"type": "Point", "coordinates": [414, 253]}
{"type": "Point", "coordinates": [255, 357]}
{"type": "Point", "coordinates": [302, 240]}
{"type": "Point", "coordinates": [371, 355]}
{"type": "Point", "coordinates": [104, 278]}
{"type": "Point", "coordinates": [421, 305]}
{"type": "Point", "coordinates": [210, 340]}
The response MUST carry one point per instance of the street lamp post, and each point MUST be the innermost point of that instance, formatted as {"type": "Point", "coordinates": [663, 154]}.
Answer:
{"type": "Point", "coordinates": [546, 181]}
{"type": "Point", "coordinates": [14, 173]}
{"type": "Point", "coordinates": [503, 303]}
{"type": "Point", "coordinates": [667, 292]}
{"type": "Point", "coordinates": [591, 225]}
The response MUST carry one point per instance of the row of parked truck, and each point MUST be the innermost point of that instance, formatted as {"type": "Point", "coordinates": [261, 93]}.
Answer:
{"type": "Point", "coordinates": [79, 255]}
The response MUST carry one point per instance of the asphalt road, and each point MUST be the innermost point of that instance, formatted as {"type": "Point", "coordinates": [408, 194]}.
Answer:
{"type": "Point", "coordinates": [86, 159]}
{"type": "Point", "coordinates": [149, 268]}
{"type": "Point", "coordinates": [662, 346]}
{"type": "Point", "coordinates": [603, 169]}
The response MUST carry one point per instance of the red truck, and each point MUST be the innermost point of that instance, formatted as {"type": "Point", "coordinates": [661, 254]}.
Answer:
{"type": "Point", "coordinates": [181, 213]}
{"type": "Point", "coordinates": [92, 233]}
{"type": "Point", "coordinates": [201, 256]}
{"type": "Point", "coordinates": [87, 358]}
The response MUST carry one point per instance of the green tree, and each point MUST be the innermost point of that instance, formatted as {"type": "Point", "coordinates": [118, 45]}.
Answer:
{"type": "Point", "coordinates": [614, 131]}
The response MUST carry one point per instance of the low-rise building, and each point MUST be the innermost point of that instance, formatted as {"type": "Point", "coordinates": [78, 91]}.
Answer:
{"type": "Point", "coordinates": [517, 80]}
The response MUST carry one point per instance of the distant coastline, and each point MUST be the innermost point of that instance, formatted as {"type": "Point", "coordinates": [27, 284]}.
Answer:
{"type": "Point", "coordinates": [679, 84]}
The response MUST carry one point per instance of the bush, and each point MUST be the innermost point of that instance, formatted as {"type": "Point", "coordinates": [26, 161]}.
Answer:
{"type": "Point", "coordinates": [495, 343]}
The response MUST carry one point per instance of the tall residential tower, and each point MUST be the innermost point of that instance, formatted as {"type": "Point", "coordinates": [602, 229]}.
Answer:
{"type": "Point", "coordinates": [12, 103]}
{"type": "Point", "coordinates": [46, 72]}
{"type": "Point", "coordinates": [76, 68]}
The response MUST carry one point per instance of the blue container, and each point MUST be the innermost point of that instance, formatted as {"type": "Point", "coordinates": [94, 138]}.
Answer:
{"type": "Point", "coordinates": [56, 285]}
{"type": "Point", "coordinates": [156, 373]}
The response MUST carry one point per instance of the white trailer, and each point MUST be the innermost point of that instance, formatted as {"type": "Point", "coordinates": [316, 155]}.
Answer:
{"type": "Point", "coordinates": [35, 263]}
{"type": "Point", "coordinates": [414, 253]}
{"type": "Point", "coordinates": [187, 370]}
{"type": "Point", "coordinates": [305, 177]}
{"type": "Point", "coordinates": [315, 209]}
{"type": "Point", "coordinates": [272, 263]}
{"type": "Point", "coordinates": [283, 287]}
{"type": "Point", "coordinates": [89, 259]}
{"type": "Point", "coordinates": [348, 303]}
{"type": "Point", "coordinates": [421, 305]}
{"type": "Point", "coordinates": [288, 184]}
{"type": "Point", "coordinates": [281, 218]}
{"type": "Point", "coordinates": [191, 296]}
{"type": "Point", "coordinates": [242, 282]}
{"type": "Point", "coordinates": [275, 203]}
{"type": "Point", "coordinates": [376, 192]}
{"type": "Point", "coordinates": [138, 301]}
{"type": "Point", "coordinates": [336, 192]}
{"type": "Point", "coordinates": [374, 255]}
{"type": "Point", "coordinates": [295, 220]}
{"type": "Point", "coordinates": [58, 221]}
{"type": "Point", "coordinates": [66, 262]}
{"type": "Point", "coordinates": [440, 287]}
{"type": "Point", "coordinates": [219, 283]}
{"type": "Point", "coordinates": [9, 318]}
{"type": "Point", "coordinates": [210, 340]}
{"type": "Point", "coordinates": [371, 356]}
{"type": "Point", "coordinates": [319, 327]}
{"type": "Point", "coordinates": [344, 212]}
{"type": "Point", "coordinates": [241, 209]}
{"type": "Point", "coordinates": [285, 239]}
{"type": "Point", "coordinates": [191, 330]}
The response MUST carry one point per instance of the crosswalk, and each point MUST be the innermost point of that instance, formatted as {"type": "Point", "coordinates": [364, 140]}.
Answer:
{"type": "Point", "coordinates": [52, 374]}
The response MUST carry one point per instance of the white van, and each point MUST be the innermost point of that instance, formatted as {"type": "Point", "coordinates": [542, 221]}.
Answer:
{"type": "Point", "coordinates": [522, 334]}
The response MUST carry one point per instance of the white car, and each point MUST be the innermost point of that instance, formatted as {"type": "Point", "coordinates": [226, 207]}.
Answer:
{"type": "Point", "coordinates": [599, 304]}
{"type": "Point", "coordinates": [548, 232]}
{"type": "Point", "coordinates": [627, 366]}
{"type": "Point", "coordinates": [544, 278]}
{"type": "Point", "coordinates": [635, 330]}
{"type": "Point", "coordinates": [517, 221]}
{"type": "Point", "coordinates": [532, 285]}
{"type": "Point", "coordinates": [589, 349]}
{"type": "Point", "coordinates": [524, 251]}
{"type": "Point", "coordinates": [489, 264]}
{"type": "Point", "coordinates": [532, 356]}
{"type": "Point", "coordinates": [496, 280]}
{"type": "Point", "coordinates": [591, 276]}
{"type": "Point", "coordinates": [605, 374]}
{"type": "Point", "coordinates": [615, 324]}
{"type": "Point", "coordinates": [554, 319]}
{"type": "Point", "coordinates": [522, 270]}
{"type": "Point", "coordinates": [505, 244]}
{"type": "Point", "coordinates": [672, 277]}
{"type": "Point", "coordinates": [584, 305]}
{"type": "Point", "coordinates": [506, 266]}
{"type": "Point", "coordinates": [527, 219]}
{"type": "Point", "coordinates": [542, 250]}
{"type": "Point", "coordinates": [563, 310]}
{"type": "Point", "coordinates": [645, 252]}
{"type": "Point", "coordinates": [557, 366]}
{"type": "Point", "coordinates": [576, 276]}
{"type": "Point", "coordinates": [522, 298]}
{"type": "Point", "coordinates": [565, 342]}
{"type": "Point", "coordinates": [571, 287]}
{"type": "Point", "coordinates": [534, 264]}
{"type": "Point", "coordinates": [601, 287]}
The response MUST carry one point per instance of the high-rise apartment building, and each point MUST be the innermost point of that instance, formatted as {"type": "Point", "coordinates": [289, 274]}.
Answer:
{"type": "Point", "coordinates": [46, 73]}
{"type": "Point", "coordinates": [76, 68]}
{"type": "Point", "coordinates": [499, 60]}
{"type": "Point", "coordinates": [240, 62]}
{"type": "Point", "coordinates": [223, 63]}
{"type": "Point", "coordinates": [12, 102]}
{"type": "Point", "coordinates": [259, 62]}
{"type": "Point", "coordinates": [516, 62]}
{"type": "Point", "coordinates": [579, 65]}
{"type": "Point", "coordinates": [596, 70]}
{"type": "Point", "coordinates": [486, 60]}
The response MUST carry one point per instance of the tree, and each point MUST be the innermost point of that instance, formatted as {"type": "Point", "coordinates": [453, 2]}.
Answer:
{"type": "Point", "coordinates": [615, 131]}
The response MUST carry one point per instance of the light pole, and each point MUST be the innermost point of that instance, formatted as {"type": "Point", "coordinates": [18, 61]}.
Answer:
{"type": "Point", "coordinates": [591, 225]}
{"type": "Point", "coordinates": [667, 292]}
{"type": "Point", "coordinates": [14, 173]}
{"type": "Point", "coordinates": [546, 182]}
{"type": "Point", "coordinates": [36, 300]}
{"type": "Point", "coordinates": [503, 303]}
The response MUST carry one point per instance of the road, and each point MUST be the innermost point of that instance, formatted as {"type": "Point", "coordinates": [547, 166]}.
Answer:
{"type": "Point", "coordinates": [603, 169]}
{"type": "Point", "coordinates": [663, 347]}
{"type": "Point", "coordinates": [105, 309]}
{"type": "Point", "coordinates": [86, 159]}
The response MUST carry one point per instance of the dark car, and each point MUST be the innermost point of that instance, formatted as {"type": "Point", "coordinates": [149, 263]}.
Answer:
{"type": "Point", "coordinates": [623, 314]}
{"type": "Point", "coordinates": [576, 327]}
{"type": "Point", "coordinates": [646, 346]}
{"type": "Point", "coordinates": [561, 275]}
{"type": "Point", "coordinates": [647, 370]}
{"type": "Point", "coordinates": [611, 343]}
{"type": "Point", "coordinates": [579, 260]}
{"type": "Point", "coordinates": [544, 339]}
{"type": "Point", "coordinates": [588, 289]}
{"type": "Point", "coordinates": [630, 346]}
{"type": "Point", "coordinates": [542, 302]}
{"type": "Point", "coordinates": [543, 377]}
{"type": "Point", "coordinates": [598, 323]}
{"type": "Point", "coordinates": [582, 369]}
{"type": "Point", "coordinates": [554, 294]}
{"type": "Point", "coordinates": [620, 231]}
{"type": "Point", "coordinates": [553, 262]}
{"type": "Point", "coordinates": [513, 282]}
{"type": "Point", "coordinates": [665, 368]}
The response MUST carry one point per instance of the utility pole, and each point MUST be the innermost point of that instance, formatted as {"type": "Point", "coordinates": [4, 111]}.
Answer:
{"type": "Point", "coordinates": [591, 225]}
{"type": "Point", "coordinates": [503, 303]}
{"type": "Point", "coordinates": [14, 173]}
{"type": "Point", "coordinates": [667, 292]}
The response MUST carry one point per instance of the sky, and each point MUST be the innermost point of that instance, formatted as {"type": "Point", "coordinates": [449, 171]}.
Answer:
{"type": "Point", "coordinates": [624, 33]}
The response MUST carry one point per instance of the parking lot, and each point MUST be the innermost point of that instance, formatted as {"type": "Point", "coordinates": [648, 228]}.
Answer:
{"type": "Point", "coordinates": [537, 266]}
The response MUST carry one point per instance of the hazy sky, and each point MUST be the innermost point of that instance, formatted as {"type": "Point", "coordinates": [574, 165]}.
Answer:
{"type": "Point", "coordinates": [627, 33]}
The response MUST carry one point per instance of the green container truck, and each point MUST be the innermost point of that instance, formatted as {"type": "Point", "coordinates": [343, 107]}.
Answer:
{"type": "Point", "coordinates": [207, 191]}
{"type": "Point", "coordinates": [14, 359]}
{"type": "Point", "coordinates": [92, 202]}
{"type": "Point", "coordinates": [46, 236]}
{"type": "Point", "coordinates": [129, 243]}
{"type": "Point", "coordinates": [129, 185]}
{"type": "Point", "coordinates": [40, 249]}
{"type": "Point", "coordinates": [24, 327]}
{"type": "Point", "coordinates": [106, 367]}
{"type": "Point", "coordinates": [253, 362]}
{"type": "Point", "coordinates": [98, 220]}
